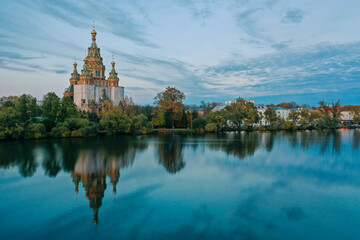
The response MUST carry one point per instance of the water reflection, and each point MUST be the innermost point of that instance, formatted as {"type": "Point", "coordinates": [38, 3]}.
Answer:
{"type": "Point", "coordinates": [90, 162]}
{"type": "Point", "coordinates": [170, 152]}
{"type": "Point", "coordinates": [66, 154]}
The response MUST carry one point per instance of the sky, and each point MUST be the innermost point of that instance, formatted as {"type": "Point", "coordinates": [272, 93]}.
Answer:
{"type": "Point", "coordinates": [269, 51]}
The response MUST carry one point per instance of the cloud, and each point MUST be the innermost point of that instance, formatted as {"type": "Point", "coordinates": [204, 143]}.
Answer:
{"type": "Point", "coordinates": [13, 55]}
{"type": "Point", "coordinates": [110, 15]}
{"type": "Point", "coordinates": [293, 16]}
{"type": "Point", "coordinates": [297, 71]}
{"type": "Point", "coordinates": [61, 71]}
{"type": "Point", "coordinates": [247, 21]}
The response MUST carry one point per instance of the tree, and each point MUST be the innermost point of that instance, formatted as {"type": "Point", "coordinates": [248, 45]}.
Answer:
{"type": "Point", "coordinates": [207, 107]}
{"type": "Point", "coordinates": [171, 100]}
{"type": "Point", "coordinates": [8, 101]}
{"type": "Point", "coordinates": [287, 105]}
{"type": "Point", "coordinates": [115, 121]}
{"type": "Point", "coordinates": [9, 127]}
{"type": "Point", "coordinates": [294, 115]}
{"type": "Point", "coordinates": [241, 113]}
{"type": "Point", "coordinates": [68, 109]}
{"type": "Point", "coordinates": [27, 107]}
{"type": "Point", "coordinates": [127, 106]}
{"type": "Point", "coordinates": [50, 108]}
{"type": "Point", "coordinates": [332, 114]}
{"type": "Point", "coordinates": [270, 115]}
{"type": "Point", "coordinates": [218, 118]}
{"type": "Point", "coordinates": [211, 127]}
{"type": "Point", "coordinates": [140, 123]}
{"type": "Point", "coordinates": [159, 120]}
{"type": "Point", "coordinates": [199, 123]}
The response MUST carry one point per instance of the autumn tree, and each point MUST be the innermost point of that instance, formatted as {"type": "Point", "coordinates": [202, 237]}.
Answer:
{"type": "Point", "coordinates": [127, 106]}
{"type": "Point", "coordinates": [171, 100]}
{"type": "Point", "coordinates": [287, 105]}
{"type": "Point", "coordinates": [242, 112]}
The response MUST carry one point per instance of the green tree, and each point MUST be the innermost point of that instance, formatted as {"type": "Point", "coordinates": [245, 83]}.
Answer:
{"type": "Point", "coordinates": [241, 113]}
{"type": "Point", "coordinates": [211, 127]}
{"type": "Point", "coordinates": [159, 120]}
{"type": "Point", "coordinates": [51, 106]}
{"type": "Point", "coordinates": [10, 101]}
{"type": "Point", "coordinates": [294, 115]}
{"type": "Point", "coordinates": [332, 113]}
{"type": "Point", "coordinates": [9, 125]}
{"type": "Point", "coordinates": [217, 118]}
{"type": "Point", "coordinates": [270, 115]}
{"type": "Point", "coordinates": [199, 123]}
{"type": "Point", "coordinates": [115, 121]}
{"type": "Point", "coordinates": [35, 130]}
{"type": "Point", "coordinates": [27, 107]}
{"type": "Point", "coordinates": [171, 100]}
{"type": "Point", "coordinates": [68, 109]}
{"type": "Point", "coordinates": [141, 124]}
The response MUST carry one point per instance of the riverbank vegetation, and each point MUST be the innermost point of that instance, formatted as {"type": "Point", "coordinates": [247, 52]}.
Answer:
{"type": "Point", "coordinates": [23, 117]}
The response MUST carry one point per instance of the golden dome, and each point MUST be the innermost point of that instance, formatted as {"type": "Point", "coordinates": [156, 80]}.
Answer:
{"type": "Point", "coordinates": [93, 33]}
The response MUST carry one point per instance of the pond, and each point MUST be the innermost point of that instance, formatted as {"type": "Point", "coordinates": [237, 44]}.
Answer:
{"type": "Point", "coordinates": [272, 185]}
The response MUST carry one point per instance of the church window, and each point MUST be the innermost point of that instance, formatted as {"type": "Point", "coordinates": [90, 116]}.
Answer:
{"type": "Point", "coordinates": [97, 73]}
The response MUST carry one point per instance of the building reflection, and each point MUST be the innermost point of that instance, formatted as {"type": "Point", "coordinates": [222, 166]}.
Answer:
{"type": "Point", "coordinates": [91, 169]}
{"type": "Point", "coordinates": [95, 164]}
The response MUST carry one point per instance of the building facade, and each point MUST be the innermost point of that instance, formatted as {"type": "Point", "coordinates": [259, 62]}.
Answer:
{"type": "Point", "coordinates": [90, 90]}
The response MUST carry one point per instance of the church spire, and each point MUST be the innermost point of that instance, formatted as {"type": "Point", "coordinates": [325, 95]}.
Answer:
{"type": "Point", "coordinates": [93, 32]}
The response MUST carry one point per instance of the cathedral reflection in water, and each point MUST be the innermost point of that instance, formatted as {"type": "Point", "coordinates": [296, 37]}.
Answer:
{"type": "Point", "coordinates": [91, 170]}
{"type": "Point", "coordinates": [91, 161]}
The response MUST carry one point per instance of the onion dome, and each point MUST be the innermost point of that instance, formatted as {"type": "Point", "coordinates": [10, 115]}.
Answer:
{"type": "Point", "coordinates": [113, 74]}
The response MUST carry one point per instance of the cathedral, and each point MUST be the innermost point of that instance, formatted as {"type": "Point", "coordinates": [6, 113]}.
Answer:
{"type": "Point", "coordinates": [90, 90]}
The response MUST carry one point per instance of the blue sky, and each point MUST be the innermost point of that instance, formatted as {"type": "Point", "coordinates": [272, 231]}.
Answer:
{"type": "Point", "coordinates": [269, 51]}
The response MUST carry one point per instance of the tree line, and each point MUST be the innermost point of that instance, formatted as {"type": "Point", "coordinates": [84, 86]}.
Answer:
{"type": "Point", "coordinates": [22, 117]}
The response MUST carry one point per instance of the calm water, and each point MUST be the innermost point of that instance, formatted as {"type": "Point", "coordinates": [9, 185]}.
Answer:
{"type": "Point", "coordinates": [303, 185]}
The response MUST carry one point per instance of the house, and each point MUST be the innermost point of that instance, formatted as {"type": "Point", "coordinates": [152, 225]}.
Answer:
{"type": "Point", "coordinates": [283, 112]}
{"type": "Point", "coordinates": [261, 108]}
{"type": "Point", "coordinates": [347, 117]}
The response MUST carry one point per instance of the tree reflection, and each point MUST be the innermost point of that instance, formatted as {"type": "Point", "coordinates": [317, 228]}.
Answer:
{"type": "Point", "coordinates": [90, 161]}
{"type": "Point", "coordinates": [21, 154]}
{"type": "Point", "coordinates": [170, 152]}
{"type": "Point", "coordinates": [51, 162]}
{"type": "Point", "coordinates": [269, 140]}
{"type": "Point", "coordinates": [356, 139]}
{"type": "Point", "coordinates": [241, 144]}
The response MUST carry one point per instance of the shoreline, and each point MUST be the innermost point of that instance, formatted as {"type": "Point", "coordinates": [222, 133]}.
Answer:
{"type": "Point", "coordinates": [161, 131]}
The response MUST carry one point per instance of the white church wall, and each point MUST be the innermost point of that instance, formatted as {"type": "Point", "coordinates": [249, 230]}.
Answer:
{"type": "Point", "coordinates": [83, 94]}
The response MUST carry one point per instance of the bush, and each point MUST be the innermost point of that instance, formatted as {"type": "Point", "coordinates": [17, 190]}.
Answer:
{"type": "Point", "coordinates": [288, 125]}
{"type": "Point", "coordinates": [114, 121]}
{"type": "Point", "coordinates": [211, 127]}
{"type": "Point", "coordinates": [60, 131]}
{"type": "Point", "coordinates": [75, 127]}
{"type": "Point", "coordinates": [35, 130]}
{"type": "Point", "coordinates": [199, 123]}
{"type": "Point", "coordinates": [140, 124]}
